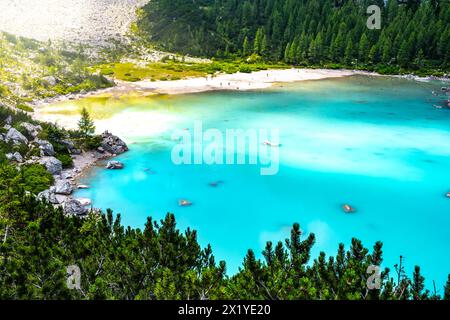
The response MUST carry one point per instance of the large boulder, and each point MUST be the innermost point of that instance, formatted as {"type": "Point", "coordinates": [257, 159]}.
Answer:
{"type": "Point", "coordinates": [46, 148]}
{"type": "Point", "coordinates": [16, 156]}
{"type": "Point", "coordinates": [63, 187]}
{"type": "Point", "coordinates": [32, 130]}
{"type": "Point", "coordinates": [50, 80]}
{"type": "Point", "coordinates": [71, 147]}
{"type": "Point", "coordinates": [15, 136]}
{"type": "Point", "coordinates": [113, 144]}
{"type": "Point", "coordinates": [53, 165]}
{"type": "Point", "coordinates": [74, 207]}
{"type": "Point", "coordinates": [113, 165]}
{"type": "Point", "coordinates": [48, 196]}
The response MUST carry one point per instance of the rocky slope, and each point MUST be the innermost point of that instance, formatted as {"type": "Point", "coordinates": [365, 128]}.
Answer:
{"type": "Point", "coordinates": [92, 22]}
{"type": "Point", "coordinates": [35, 150]}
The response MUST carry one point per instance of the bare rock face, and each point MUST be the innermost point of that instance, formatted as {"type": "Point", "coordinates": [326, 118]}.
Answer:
{"type": "Point", "coordinates": [46, 148]}
{"type": "Point", "coordinates": [32, 130]}
{"type": "Point", "coordinates": [113, 144]}
{"type": "Point", "coordinates": [50, 80]}
{"type": "Point", "coordinates": [53, 165]}
{"type": "Point", "coordinates": [49, 196]}
{"type": "Point", "coordinates": [16, 156]}
{"type": "Point", "coordinates": [75, 208]}
{"type": "Point", "coordinates": [15, 136]}
{"type": "Point", "coordinates": [63, 187]}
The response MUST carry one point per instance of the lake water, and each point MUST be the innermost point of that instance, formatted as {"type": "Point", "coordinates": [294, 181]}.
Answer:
{"type": "Point", "coordinates": [375, 143]}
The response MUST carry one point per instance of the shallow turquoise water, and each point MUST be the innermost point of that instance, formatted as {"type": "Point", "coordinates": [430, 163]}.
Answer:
{"type": "Point", "coordinates": [376, 143]}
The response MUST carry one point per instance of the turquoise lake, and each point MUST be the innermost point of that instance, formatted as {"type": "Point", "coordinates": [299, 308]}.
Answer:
{"type": "Point", "coordinates": [375, 143]}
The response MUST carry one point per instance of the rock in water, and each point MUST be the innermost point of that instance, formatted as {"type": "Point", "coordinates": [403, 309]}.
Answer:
{"type": "Point", "coordinates": [113, 165]}
{"type": "Point", "coordinates": [113, 144]}
{"type": "Point", "coordinates": [64, 188]}
{"type": "Point", "coordinates": [15, 136]}
{"type": "Point", "coordinates": [53, 165]}
{"type": "Point", "coordinates": [46, 148]}
{"type": "Point", "coordinates": [74, 207]}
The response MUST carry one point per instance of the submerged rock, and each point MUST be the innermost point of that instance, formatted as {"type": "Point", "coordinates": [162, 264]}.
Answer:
{"type": "Point", "coordinates": [184, 203]}
{"type": "Point", "coordinates": [113, 165]}
{"type": "Point", "coordinates": [113, 144]}
{"type": "Point", "coordinates": [74, 207]}
{"type": "Point", "coordinates": [348, 208]}
{"type": "Point", "coordinates": [53, 165]}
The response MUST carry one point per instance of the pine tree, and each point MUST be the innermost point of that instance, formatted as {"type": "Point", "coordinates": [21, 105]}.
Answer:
{"type": "Point", "coordinates": [86, 125]}
{"type": "Point", "coordinates": [447, 289]}
{"type": "Point", "coordinates": [246, 47]}
{"type": "Point", "coordinates": [363, 48]}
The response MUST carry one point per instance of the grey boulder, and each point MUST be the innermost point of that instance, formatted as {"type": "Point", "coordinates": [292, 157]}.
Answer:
{"type": "Point", "coordinates": [46, 148]}
{"type": "Point", "coordinates": [53, 165]}
{"type": "Point", "coordinates": [74, 207]}
{"type": "Point", "coordinates": [113, 144]}
{"type": "Point", "coordinates": [15, 136]}
{"type": "Point", "coordinates": [16, 156]}
{"type": "Point", "coordinates": [113, 165]}
{"type": "Point", "coordinates": [63, 187]}
{"type": "Point", "coordinates": [31, 129]}
{"type": "Point", "coordinates": [48, 196]}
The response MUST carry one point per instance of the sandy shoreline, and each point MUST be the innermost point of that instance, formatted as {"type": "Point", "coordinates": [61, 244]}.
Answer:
{"type": "Point", "coordinates": [234, 82]}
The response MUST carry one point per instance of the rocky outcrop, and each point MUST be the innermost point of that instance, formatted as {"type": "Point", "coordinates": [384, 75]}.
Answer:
{"type": "Point", "coordinates": [49, 196]}
{"type": "Point", "coordinates": [16, 156]}
{"type": "Point", "coordinates": [74, 207]}
{"type": "Point", "coordinates": [46, 148]}
{"type": "Point", "coordinates": [63, 187]}
{"type": "Point", "coordinates": [113, 144]}
{"type": "Point", "coordinates": [85, 201]}
{"type": "Point", "coordinates": [70, 146]}
{"type": "Point", "coordinates": [15, 137]}
{"type": "Point", "coordinates": [32, 130]}
{"type": "Point", "coordinates": [50, 80]}
{"type": "Point", "coordinates": [114, 165]}
{"type": "Point", "coordinates": [53, 165]}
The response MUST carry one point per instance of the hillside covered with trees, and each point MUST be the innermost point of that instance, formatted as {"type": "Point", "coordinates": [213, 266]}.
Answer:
{"type": "Point", "coordinates": [414, 34]}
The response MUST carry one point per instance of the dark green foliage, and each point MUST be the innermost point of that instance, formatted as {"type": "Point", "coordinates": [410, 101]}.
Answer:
{"type": "Point", "coordinates": [447, 289]}
{"type": "Point", "coordinates": [66, 160]}
{"type": "Point", "coordinates": [38, 242]}
{"type": "Point", "coordinates": [308, 32]}
{"type": "Point", "coordinates": [36, 178]}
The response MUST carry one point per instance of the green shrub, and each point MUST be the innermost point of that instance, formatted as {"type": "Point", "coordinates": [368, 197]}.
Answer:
{"type": "Point", "coordinates": [66, 160]}
{"type": "Point", "coordinates": [36, 178]}
{"type": "Point", "coordinates": [245, 68]}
